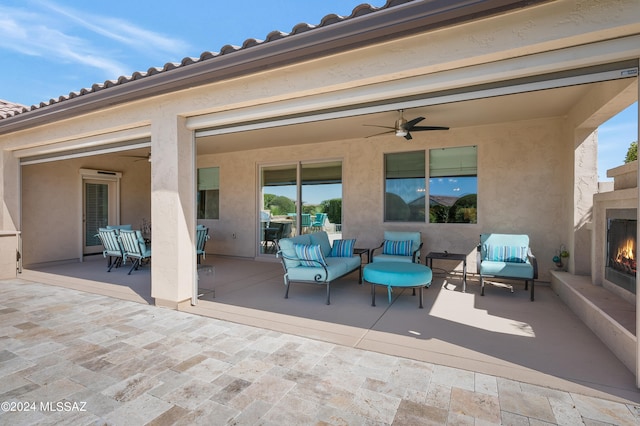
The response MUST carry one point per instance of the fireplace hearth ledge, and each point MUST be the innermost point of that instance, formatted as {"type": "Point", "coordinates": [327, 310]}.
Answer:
{"type": "Point", "coordinates": [608, 315]}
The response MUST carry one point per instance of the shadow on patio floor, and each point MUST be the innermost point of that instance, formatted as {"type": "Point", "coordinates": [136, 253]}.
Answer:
{"type": "Point", "coordinates": [501, 334]}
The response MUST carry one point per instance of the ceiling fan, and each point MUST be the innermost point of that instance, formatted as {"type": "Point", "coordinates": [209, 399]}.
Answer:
{"type": "Point", "coordinates": [403, 128]}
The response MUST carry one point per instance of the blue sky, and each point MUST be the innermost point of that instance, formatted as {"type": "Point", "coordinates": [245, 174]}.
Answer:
{"type": "Point", "coordinates": [614, 138]}
{"type": "Point", "coordinates": [50, 48]}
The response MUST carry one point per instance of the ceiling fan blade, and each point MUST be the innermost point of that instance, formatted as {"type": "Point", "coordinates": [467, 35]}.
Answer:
{"type": "Point", "coordinates": [411, 123]}
{"type": "Point", "coordinates": [378, 134]}
{"type": "Point", "coordinates": [408, 136]}
{"type": "Point", "coordinates": [382, 127]}
{"type": "Point", "coordinates": [423, 128]}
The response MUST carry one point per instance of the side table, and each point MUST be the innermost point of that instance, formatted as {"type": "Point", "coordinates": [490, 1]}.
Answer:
{"type": "Point", "coordinates": [361, 251]}
{"type": "Point", "coordinates": [450, 256]}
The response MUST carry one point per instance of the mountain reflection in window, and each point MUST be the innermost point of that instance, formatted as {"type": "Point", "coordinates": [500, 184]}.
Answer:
{"type": "Point", "coordinates": [453, 185]}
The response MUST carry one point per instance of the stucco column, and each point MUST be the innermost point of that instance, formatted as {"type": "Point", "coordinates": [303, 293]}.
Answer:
{"type": "Point", "coordinates": [173, 269]}
{"type": "Point", "coordinates": [585, 184]}
{"type": "Point", "coordinates": [9, 214]}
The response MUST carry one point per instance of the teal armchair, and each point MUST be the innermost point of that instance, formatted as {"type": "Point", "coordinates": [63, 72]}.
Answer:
{"type": "Point", "coordinates": [506, 257]}
{"type": "Point", "coordinates": [113, 249]}
{"type": "Point", "coordinates": [318, 221]}
{"type": "Point", "coordinates": [399, 246]}
{"type": "Point", "coordinates": [202, 236]}
{"type": "Point", "coordinates": [305, 222]}
{"type": "Point", "coordinates": [135, 247]}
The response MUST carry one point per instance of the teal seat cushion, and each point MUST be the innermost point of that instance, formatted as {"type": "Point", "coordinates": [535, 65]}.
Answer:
{"type": "Point", "coordinates": [396, 274]}
{"type": "Point", "coordinates": [507, 269]}
{"type": "Point", "coordinates": [336, 267]}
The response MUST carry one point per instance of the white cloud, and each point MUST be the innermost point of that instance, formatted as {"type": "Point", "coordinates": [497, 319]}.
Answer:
{"type": "Point", "coordinates": [119, 30]}
{"type": "Point", "coordinates": [29, 34]}
{"type": "Point", "coordinates": [628, 127]}
{"type": "Point", "coordinates": [65, 35]}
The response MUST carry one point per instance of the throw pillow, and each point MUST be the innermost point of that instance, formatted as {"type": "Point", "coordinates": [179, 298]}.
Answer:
{"type": "Point", "coordinates": [342, 248]}
{"type": "Point", "coordinates": [310, 255]}
{"type": "Point", "coordinates": [511, 254]}
{"type": "Point", "coordinates": [398, 248]}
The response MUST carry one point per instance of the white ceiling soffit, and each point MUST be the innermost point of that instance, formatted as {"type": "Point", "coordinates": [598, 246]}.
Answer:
{"type": "Point", "coordinates": [85, 151]}
{"type": "Point", "coordinates": [228, 122]}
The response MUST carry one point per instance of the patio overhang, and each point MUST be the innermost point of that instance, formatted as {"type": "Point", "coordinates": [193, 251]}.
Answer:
{"type": "Point", "coordinates": [328, 39]}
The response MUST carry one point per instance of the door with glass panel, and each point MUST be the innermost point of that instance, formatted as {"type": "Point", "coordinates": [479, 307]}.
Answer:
{"type": "Point", "coordinates": [299, 198]}
{"type": "Point", "coordinates": [100, 208]}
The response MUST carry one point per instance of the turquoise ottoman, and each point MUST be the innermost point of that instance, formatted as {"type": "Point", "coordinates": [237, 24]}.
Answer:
{"type": "Point", "coordinates": [396, 274]}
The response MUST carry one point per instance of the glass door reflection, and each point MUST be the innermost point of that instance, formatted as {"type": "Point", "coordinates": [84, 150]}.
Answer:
{"type": "Point", "coordinates": [278, 210]}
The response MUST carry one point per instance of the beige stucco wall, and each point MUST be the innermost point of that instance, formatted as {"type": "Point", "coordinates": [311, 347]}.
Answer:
{"type": "Point", "coordinates": [9, 249]}
{"type": "Point", "coordinates": [522, 188]}
{"type": "Point", "coordinates": [52, 204]}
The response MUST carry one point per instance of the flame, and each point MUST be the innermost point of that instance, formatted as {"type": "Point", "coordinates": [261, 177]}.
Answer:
{"type": "Point", "coordinates": [626, 250]}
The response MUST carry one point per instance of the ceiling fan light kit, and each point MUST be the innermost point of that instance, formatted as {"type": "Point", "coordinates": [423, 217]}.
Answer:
{"type": "Point", "coordinates": [400, 127]}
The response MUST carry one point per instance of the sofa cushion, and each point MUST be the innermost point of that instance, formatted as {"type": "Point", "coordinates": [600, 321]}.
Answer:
{"type": "Point", "coordinates": [321, 238]}
{"type": "Point", "coordinates": [336, 267]}
{"type": "Point", "coordinates": [310, 254]}
{"type": "Point", "coordinates": [507, 269]}
{"type": "Point", "coordinates": [342, 248]}
{"type": "Point", "coordinates": [289, 252]}
{"type": "Point", "coordinates": [500, 253]}
{"type": "Point", "coordinates": [397, 248]}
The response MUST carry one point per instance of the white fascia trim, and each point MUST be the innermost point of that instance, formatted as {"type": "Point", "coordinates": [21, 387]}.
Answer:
{"type": "Point", "coordinates": [47, 158]}
{"type": "Point", "coordinates": [304, 109]}
{"type": "Point", "coordinates": [139, 137]}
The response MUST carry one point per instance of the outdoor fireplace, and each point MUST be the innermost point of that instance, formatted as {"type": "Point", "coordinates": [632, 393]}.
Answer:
{"type": "Point", "coordinates": [621, 253]}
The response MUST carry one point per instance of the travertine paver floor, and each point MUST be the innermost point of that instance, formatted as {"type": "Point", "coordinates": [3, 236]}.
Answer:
{"type": "Point", "coordinates": [68, 357]}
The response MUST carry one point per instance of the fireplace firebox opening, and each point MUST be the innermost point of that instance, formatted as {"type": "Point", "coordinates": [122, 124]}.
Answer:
{"type": "Point", "coordinates": [622, 253]}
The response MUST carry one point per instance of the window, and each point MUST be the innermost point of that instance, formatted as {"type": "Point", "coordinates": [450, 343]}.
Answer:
{"type": "Point", "coordinates": [453, 185]}
{"type": "Point", "coordinates": [404, 187]}
{"type": "Point", "coordinates": [208, 197]}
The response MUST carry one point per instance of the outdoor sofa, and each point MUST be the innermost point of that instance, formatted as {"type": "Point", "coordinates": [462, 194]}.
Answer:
{"type": "Point", "coordinates": [311, 258]}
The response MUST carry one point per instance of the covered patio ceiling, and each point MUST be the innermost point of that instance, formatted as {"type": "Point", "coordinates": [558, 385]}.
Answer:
{"type": "Point", "coordinates": [556, 102]}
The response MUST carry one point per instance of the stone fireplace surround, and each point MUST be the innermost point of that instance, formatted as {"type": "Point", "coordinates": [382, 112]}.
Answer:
{"type": "Point", "coordinates": [621, 203]}
{"type": "Point", "coordinates": [607, 309]}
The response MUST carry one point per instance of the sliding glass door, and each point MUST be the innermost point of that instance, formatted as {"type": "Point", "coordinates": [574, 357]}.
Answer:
{"type": "Point", "coordinates": [99, 209]}
{"type": "Point", "coordinates": [299, 198]}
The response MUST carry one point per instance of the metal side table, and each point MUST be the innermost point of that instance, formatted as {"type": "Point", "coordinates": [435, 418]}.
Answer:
{"type": "Point", "coordinates": [450, 256]}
